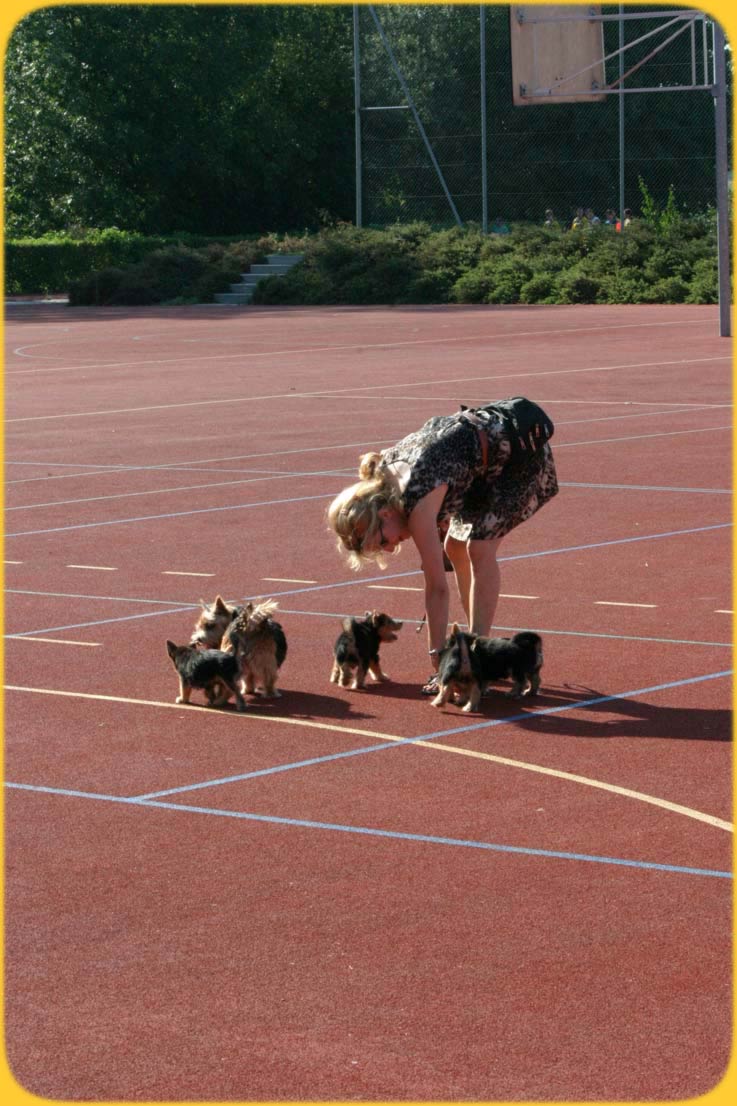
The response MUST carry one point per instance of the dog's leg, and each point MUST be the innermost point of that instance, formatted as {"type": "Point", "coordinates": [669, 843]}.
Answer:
{"type": "Point", "coordinates": [474, 699]}
{"type": "Point", "coordinates": [535, 682]}
{"type": "Point", "coordinates": [346, 675]}
{"type": "Point", "coordinates": [359, 679]}
{"type": "Point", "coordinates": [335, 673]}
{"type": "Point", "coordinates": [218, 693]}
{"type": "Point", "coordinates": [185, 690]}
{"type": "Point", "coordinates": [442, 696]}
{"type": "Point", "coordinates": [376, 673]}
{"type": "Point", "coordinates": [269, 690]}
{"type": "Point", "coordinates": [248, 687]}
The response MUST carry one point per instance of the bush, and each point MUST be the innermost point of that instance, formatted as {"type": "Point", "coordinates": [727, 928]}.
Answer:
{"type": "Point", "coordinates": [704, 286]}
{"type": "Point", "coordinates": [343, 264]}
{"type": "Point", "coordinates": [574, 286]}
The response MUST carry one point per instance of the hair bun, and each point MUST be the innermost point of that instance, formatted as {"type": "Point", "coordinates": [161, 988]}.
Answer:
{"type": "Point", "coordinates": [367, 465]}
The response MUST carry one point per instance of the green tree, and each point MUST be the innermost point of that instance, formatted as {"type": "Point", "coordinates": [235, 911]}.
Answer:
{"type": "Point", "coordinates": [155, 118]}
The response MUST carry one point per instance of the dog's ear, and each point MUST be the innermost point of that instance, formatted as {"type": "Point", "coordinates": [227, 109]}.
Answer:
{"type": "Point", "coordinates": [347, 624]}
{"type": "Point", "coordinates": [171, 648]}
{"type": "Point", "coordinates": [455, 630]}
{"type": "Point", "coordinates": [220, 606]}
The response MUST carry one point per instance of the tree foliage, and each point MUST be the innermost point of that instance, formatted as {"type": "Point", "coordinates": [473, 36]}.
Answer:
{"type": "Point", "coordinates": [157, 118]}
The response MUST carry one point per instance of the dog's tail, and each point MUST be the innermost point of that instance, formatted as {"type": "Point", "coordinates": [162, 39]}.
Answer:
{"type": "Point", "coordinates": [262, 609]}
{"type": "Point", "coordinates": [465, 670]}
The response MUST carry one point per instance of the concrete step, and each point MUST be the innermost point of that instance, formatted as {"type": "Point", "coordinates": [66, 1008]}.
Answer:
{"type": "Point", "coordinates": [284, 258]}
{"type": "Point", "coordinates": [270, 270]}
{"type": "Point", "coordinates": [232, 297]}
{"type": "Point", "coordinates": [242, 292]}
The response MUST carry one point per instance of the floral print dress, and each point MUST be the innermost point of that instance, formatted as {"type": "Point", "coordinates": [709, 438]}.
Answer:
{"type": "Point", "coordinates": [480, 503]}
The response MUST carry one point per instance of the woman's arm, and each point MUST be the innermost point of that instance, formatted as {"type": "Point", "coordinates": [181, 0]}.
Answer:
{"type": "Point", "coordinates": [423, 528]}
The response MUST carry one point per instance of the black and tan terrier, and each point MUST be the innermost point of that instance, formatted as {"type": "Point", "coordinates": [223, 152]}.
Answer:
{"type": "Point", "coordinates": [212, 623]}
{"type": "Point", "coordinates": [519, 658]}
{"type": "Point", "coordinates": [213, 671]}
{"type": "Point", "coordinates": [468, 663]}
{"type": "Point", "coordinates": [260, 644]}
{"type": "Point", "coordinates": [356, 651]}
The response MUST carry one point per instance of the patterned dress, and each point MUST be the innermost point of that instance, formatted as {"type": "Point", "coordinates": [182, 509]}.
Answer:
{"type": "Point", "coordinates": [480, 503]}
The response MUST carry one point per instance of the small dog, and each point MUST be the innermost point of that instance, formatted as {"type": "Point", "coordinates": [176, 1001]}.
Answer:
{"type": "Point", "coordinates": [519, 657]}
{"type": "Point", "coordinates": [260, 644]}
{"type": "Point", "coordinates": [357, 648]}
{"type": "Point", "coordinates": [468, 662]}
{"type": "Point", "coordinates": [215, 672]}
{"type": "Point", "coordinates": [212, 623]}
{"type": "Point", "coordinates": [457, 672]}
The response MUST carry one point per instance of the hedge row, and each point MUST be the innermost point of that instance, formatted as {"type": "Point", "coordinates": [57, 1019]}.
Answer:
{"type": "Point", "coordinates": [52, 263]}
{"type": "Point", "coordinates": [412, 264]}
{"type": "Point", "coordinates": [409, 264]}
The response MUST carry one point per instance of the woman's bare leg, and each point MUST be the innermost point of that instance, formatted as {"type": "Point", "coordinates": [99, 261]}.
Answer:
{"type": "Point", "coordinates": [485, 584]}
{"type": "Point", "coordinates": [458, 556]}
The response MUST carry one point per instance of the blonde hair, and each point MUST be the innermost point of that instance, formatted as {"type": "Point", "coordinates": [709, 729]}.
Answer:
{"type": "Point", "coordinates": [354, 514]}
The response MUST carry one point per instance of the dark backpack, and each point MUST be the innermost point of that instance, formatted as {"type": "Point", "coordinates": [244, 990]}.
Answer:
{"type": "Point", "coordinates": [526, 425]}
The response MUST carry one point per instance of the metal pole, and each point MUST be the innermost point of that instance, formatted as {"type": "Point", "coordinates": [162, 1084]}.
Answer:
{"type": "Point", "coordinates": [621, 118]}
{"type": "Point", "coordinates": [413, 109]}
{"type": "Point", "coordinates": [722, 181]}
{"type": "Point", "coordinates": [484, 178]}
{"type": "Point", "coordinates": [357, 114]}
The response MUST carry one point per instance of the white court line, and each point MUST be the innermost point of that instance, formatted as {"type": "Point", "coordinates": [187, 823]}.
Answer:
{"type": "Point", "coordinates": [334, 393]}
{"type": "Point", "coordinates": [287, 580]}
{"type": "Point", "coordinates": [502, 595]}
{"type": "Point", "coordinates": [94, 568]}
{"type": "Point", "coordinates": [391, 587]}
{"type": "Point", "coordinates": [257, 716]}
{"type": "Point", "coordinates": [172, 572]}
{"type": "Point", "coordinates": [723, 612]}
{"type": "Point", "coordinates": [13, 562]}
{"type": "Point", "coordinates": [52, 640]}
{"type": "Point", "coordinates": [612, 603]}
{"type": "Point", "coordinates": [20, 351]}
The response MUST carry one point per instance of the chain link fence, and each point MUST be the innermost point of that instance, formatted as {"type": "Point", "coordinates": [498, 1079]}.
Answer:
{"type": "Point", "coordinates": [420, 70]}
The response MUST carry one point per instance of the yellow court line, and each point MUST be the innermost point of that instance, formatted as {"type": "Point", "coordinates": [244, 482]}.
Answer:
{"type": "Point", "coordinates": [674, 808]}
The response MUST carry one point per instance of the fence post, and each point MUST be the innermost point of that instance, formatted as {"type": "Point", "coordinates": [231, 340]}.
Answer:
{"type": "Point", "coordinates": [357, 113]}
{"type": "Point", "coordinates": [722, 169]}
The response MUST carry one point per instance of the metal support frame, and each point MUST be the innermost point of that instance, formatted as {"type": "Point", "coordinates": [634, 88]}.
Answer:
{"type": "Point", "coordinates": [410, 103]}
{"type": "Point", "coordinates": [716, 84]}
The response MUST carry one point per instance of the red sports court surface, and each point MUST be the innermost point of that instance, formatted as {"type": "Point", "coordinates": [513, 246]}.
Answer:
{"type": "Point", "coordinates": [350, 895]}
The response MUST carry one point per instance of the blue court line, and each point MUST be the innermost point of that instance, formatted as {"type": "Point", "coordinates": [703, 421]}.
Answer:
{"type": "Point", "coordinates": [486, 724]}
{"type": "Point", "coordinates": [171, 514]}
{"type": "Point", "coordinates": [618, 541]}
{"type": "Point", "coordinates": [397, 835]}
{"type": "Point", "coordinates": [188, 606]}
{"type": "Point", "coordinates": [644, 488]}
{"type": "Point", "coordinates": [384, 578]}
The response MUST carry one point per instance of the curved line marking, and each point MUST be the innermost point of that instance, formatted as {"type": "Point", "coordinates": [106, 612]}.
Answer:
{"type": "Point", "coordinates": [674, 808]}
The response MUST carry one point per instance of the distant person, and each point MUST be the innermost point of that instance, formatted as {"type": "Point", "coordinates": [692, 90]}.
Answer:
{"type": "Point", "coordinates": [594, 220]}
{"type": "Point", "coordinates": [610, 219]}
{"type": "Point", "coordinates": [628, 216]}
{"type": "Point", "coordinates": [500, 226]}
{"type": "Point", "coordinates": [550, 219]}
{"type": "Point", "coordinates": [579, 219]}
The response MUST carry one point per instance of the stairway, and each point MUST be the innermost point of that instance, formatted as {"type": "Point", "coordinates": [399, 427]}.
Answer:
{"type": "Point", "coordinates": [277, 264]}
